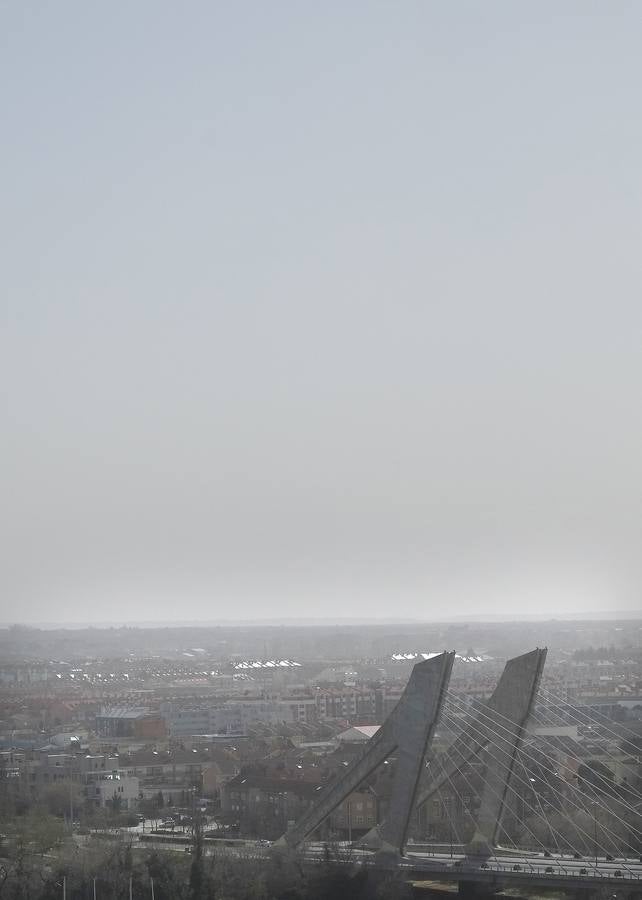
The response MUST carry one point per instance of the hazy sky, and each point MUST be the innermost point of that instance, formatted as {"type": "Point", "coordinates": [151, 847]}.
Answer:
{"type": "Point", "coordinates": [320, 308]}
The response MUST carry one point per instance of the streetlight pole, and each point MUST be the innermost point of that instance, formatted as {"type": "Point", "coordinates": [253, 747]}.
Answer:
{"type": "Point", "coordinates": [594, 806]}
{"type": "Point", "coordinates": [71, 791]}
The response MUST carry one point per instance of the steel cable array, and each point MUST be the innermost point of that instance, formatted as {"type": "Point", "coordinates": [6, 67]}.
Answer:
{"type": "Point", "coordinates": [506, 746]}
{"type": "Point", "coordinates": [580, 805]}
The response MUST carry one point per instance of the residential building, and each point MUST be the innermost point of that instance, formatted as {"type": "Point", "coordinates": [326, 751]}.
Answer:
{"type": "Point", "coordinates": [130, 722]}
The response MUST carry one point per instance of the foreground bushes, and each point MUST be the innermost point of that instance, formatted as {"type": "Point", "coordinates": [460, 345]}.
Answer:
{"type": "Point", "coordinates": [29, 874]}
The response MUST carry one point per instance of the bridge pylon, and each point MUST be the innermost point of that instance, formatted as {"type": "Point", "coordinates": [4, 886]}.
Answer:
{"type": "Point", "coordinates": [519, 686]}
{"type": "Point", "coordinates": [408, 731]}
{"type": "Point", "coordinates": [501, 721]}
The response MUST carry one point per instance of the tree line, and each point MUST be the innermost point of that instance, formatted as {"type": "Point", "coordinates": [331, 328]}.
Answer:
{"type": "Point", "coordinates": [114, 868]}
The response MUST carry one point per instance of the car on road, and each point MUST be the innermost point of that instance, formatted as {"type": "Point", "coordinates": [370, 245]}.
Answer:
{"type": "Point", "coordinates": [618, 873]}
{"type": "Point", "coordinates": [549, 870]}
{"type": "Point", "coordinates": [583, 872]}
{"type": "Point", "coordinates": [517, 868]}
{"type": "Point", "coordinates": [484, 866]}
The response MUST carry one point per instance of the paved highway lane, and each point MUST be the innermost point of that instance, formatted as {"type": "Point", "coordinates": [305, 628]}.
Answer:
{"type": "Point", "coordinates": [514, 865]}
{"type": "Point", "coordinates": [510, 866]}
{"type": "Point", "coordinates": [528, 865]}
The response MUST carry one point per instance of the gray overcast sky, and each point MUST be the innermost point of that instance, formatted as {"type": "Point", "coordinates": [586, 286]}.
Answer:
{"type": "Point", "coordinates": [320, 308]}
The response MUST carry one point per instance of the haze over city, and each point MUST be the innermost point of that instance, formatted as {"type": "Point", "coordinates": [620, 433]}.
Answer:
{"type": "Point", "coordinates": [324, 311]}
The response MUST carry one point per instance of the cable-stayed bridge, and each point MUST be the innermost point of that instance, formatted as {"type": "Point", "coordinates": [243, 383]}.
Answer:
{"type": "Point", "coordinates": [518, 810]}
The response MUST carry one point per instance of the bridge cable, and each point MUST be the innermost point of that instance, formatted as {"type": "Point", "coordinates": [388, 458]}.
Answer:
{"type": "Point", "coordinates": [606, 752]}
{"type": "Point", "coordinates": [594, 716]}
{"type": "Point", "coordinates": [614, 791]}
{"type": "Point", "coordinates": [538, 762]}
{"type": "Point", "coordinates": [558, 793]}
{"type": "Point", "coordinates": [473, 791]}
{"type": "Point", "coordinates": [541, 816]}
{"type": "Point", "coordinates": [466, 810]}
{"type": "Point", "coordinates": [542, 739]}
{"type": "Point", "coordinates": [571, 787]}
{"type": "Point", "coordinates": [509, 787]}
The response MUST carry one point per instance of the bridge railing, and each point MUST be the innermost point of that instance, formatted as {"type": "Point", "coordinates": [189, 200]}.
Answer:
{"type": "Point", "coordinates": [558, 871]}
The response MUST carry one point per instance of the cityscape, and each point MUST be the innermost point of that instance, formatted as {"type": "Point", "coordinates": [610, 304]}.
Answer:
{"type": "Point", "coordinates": [136, 740]}
{"type": "Point", "coordinates": [320, 450]}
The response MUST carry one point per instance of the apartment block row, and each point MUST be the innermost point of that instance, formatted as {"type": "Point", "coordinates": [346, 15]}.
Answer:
{"type": "Point", "coordinates": [99, 778]}
{"type": "Point", "coordinates": [369, 705]}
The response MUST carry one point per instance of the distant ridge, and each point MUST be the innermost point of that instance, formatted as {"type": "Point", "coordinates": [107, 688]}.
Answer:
{"type": "Point", "coordinates": [349, 621]}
